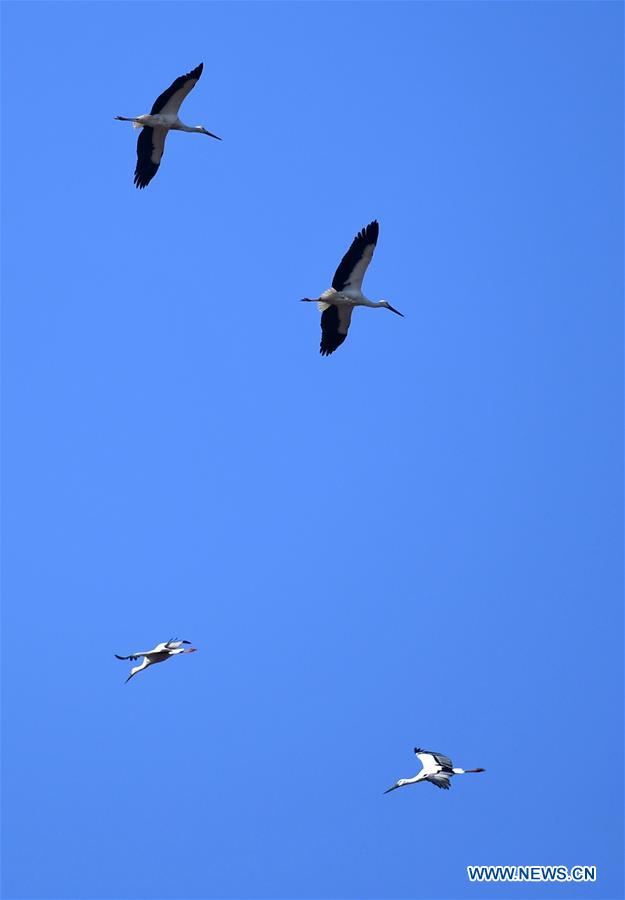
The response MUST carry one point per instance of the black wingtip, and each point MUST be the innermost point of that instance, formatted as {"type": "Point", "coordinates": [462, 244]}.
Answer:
{"type": "Point", "coordinates": [366, 236]}
{"type": "Point", "coordinates": [144, 177]}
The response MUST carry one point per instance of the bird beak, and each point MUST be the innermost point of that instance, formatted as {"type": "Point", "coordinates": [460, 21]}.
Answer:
{"type": "Point", "coordinates": [210, 134]}
{"type": "Point", "coordinates": [191, 650]}
{"type": "Point", "coordinates": [391, 789]}
{"type": "Point", "coordinates": [396, 311]}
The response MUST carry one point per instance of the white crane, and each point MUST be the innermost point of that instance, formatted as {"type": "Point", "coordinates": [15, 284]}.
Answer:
{"type": "Point", "coordinates": [160, 653]}
{"type": "Point", "coordinates": [437, 769]}
{"type": "Point", "coordinates": [163, 117]}
{"type": "Point", "coordinates": [336, 304]}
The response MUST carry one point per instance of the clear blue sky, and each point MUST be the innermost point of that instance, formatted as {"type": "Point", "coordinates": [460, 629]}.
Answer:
{"type": "Point", "coordinates": [415, 541]}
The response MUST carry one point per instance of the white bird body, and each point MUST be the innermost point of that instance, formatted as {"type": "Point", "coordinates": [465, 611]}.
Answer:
{"type": "Point", "coordinates": [170, 122]}
{"type": "Point", "coordinates": [437, 769]}
{"type": "Point", "coordinates": [350, 298]}
{"type": "Point", "coordinates": [155, 125]}
{"type": "Point", "coordinates": [336, 304]}
{"type": "Point", "coordinates": [158, 654]}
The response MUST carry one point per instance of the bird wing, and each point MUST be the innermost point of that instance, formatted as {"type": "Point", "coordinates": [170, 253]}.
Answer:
{"type": "Point", "coordinates": [156, 655]}
{"type": "Point", "coordinates": [170, 100]}
{"type": "Point", "coordinates": [443, 760]}
{"type": "Point", "coordinates": [162, 648]}
{"type": "Point", "coordinates": [334, 327]}
{"type": "Point", "coordinates": [173, 644]}
{"type": "Point", "coordinates": [354, 264]}
{"type": "Point", "coordinates": [441, 780]}
{"type": "Point", "coordinates": [126, 657]}
{"type": "Point", "coordinates": [150, 147]}
{"type": "Point", "coordinates": [431, 759]}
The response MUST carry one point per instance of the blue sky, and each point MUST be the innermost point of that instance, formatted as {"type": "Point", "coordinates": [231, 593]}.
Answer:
{"type": "Point", "coordinates": [416, 541]}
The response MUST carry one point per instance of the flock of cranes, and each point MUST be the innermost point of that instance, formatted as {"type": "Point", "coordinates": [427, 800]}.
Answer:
{"type": "Point", "coordinates": [335, 305]}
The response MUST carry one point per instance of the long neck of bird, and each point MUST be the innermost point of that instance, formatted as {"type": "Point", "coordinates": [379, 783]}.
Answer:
{"type": "Point", "coordinates": [138, 669]}
{"type": "Point", "coordinates": [145, 663]}
{"type": "Point", "coordinates": [183, 127]}
{"type": "Point", "coordinates": [373, 303]}
{"type": "Point", "coordinates": [414, 779]}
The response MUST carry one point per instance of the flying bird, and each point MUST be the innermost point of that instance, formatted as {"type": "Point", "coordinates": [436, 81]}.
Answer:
{"type": "Point", "coordinates": [163, 117]}
{"type": "Point", "coordinates": [159, 654]}
{"type": "Point", "coordinates": [437, 769]}
{"type": "Point", "coordinates": [336, 304]}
